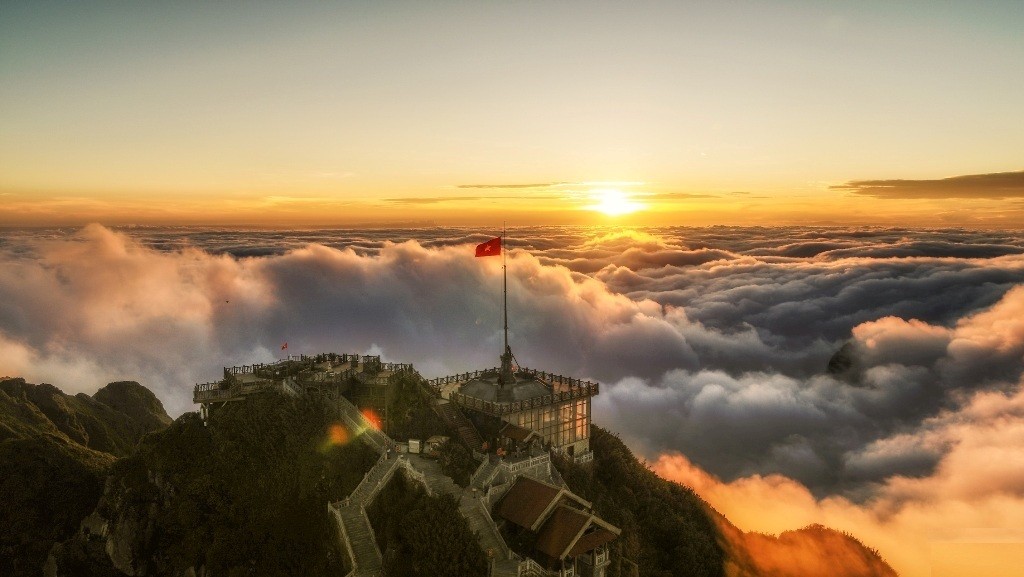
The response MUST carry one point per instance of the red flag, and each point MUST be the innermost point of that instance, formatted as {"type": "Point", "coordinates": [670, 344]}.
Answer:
{"type": "Point", "coordinates": [489, 248]}
{"type": "Point", "coordinates": [284, 346]}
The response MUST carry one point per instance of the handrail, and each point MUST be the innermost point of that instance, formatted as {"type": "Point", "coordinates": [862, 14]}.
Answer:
{"type": "Point", "coordinates": [574, 385]}
{"type": "Point", "coordinates": [502, 408]}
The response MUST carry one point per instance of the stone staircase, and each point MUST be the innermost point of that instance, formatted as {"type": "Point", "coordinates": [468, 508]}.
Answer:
{"type": "Point", "coordinates": [485, 473]}
{"type": "Point", "coordinates": [355, 525]}
{"type": "Point", "coordinates": [363, 428]}
{"type": "Point", "coordinates": [359, 540]}
{"type": "Point", "coordinates": [472, 509]}
{"type": "Point", "coordinates": [350, 513]}
{"type": "Point", "coordinates": [463, 427]}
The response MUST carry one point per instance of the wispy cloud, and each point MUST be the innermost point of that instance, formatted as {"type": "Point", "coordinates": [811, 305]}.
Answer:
{"type": "Point", "coordinates": [529, 185]}
{"type": "Point", "coordinates": [995, 185]}
{"type": "Point", "coordinates": [674, 196]}
{"type": "Point", "coordinates": [440, 199]}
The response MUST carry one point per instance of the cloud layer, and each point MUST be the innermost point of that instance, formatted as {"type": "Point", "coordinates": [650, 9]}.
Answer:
{"type": "Point", "coordinates": [711, 343]}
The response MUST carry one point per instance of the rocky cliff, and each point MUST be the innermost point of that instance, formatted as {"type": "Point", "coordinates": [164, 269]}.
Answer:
{"type": "Point", "coordinates": [55, 453]}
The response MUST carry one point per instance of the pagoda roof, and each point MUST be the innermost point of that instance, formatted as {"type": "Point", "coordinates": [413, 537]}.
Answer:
{"type": "Point", "coordinates": [569, 532]}
{"type": "Point", "coordinates": [529, 502]}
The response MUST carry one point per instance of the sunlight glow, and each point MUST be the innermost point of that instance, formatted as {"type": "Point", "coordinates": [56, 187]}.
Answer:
{"type": "Point", "coordinates": [613, 202]}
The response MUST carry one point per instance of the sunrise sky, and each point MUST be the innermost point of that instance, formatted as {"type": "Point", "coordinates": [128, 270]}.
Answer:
{"type": "Point", "coordinates": [385, 129]}
{"type": "Point", "coordinates": [465, 113]}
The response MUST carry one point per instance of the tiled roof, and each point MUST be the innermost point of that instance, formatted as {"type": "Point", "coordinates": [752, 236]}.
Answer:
{"type": "Point", "coordinates": [595, 536]}
{"type": "Point", "coordinates": [516, 432]}
{"type": "Point", "coordinates": [569, 532]}
{"type": "Point", "coordinates": [526, 501]}
{"type": "Point", "coordinates": [564, 525]}
{"type": "Point", "coordinates": [560, 531]}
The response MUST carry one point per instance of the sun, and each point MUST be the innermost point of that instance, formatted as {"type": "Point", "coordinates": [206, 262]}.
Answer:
{"type": "Point", "coordinates": [613, 202]}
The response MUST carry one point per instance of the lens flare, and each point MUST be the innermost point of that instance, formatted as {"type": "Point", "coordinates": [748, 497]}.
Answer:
{"type": "Point", "coordinates": [337, 436]}
{"type": "Point", "coordinates": [372, 417]}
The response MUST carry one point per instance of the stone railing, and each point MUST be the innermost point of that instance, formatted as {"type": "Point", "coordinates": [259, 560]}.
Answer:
{"type": "Point", "coordinates": [584, 457]}
{"type": "Point", "coordinates": [416, 475]}
{"type": "Point", "coordinates": [494, 493]}
{"type": "Point", "coordinates": [333, 511]}
{"type": "Point", "coordinates": [530, 568]}
{"type": "Point", "coordinates": [389, 470]}
{"type": "Point", "coordinates": [206, 392]}
{"type": "Point", "coordinates": [484, 473]}
{"type": "Point", "coordinates": [551, 378]}
{"type": "Point", "coordinates": [289, 387]}
{"type": "Point", "coordinates": [519, 466]}
{"type": "Point", "coordinates": [202, 387]}
{"type": "Point", "coordinates": [210, 392]}
{"type": "Point", "coordinates": [485, 513]}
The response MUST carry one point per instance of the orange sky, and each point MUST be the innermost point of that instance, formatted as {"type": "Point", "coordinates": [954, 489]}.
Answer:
{"type": "Point", "coordinates": [355, 114]}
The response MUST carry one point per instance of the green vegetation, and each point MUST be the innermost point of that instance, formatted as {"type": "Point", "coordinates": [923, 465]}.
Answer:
{"type": "Point", "coordinates": [457, 462]}
{"type": "Point", "coordinates": [55, 452]}
{"type": "Point", "coordinates": [112, 421]}
{"type": "Point", "coordinates": [47, 485]}
{"type": "Point", "coordinates": [247, 495]}
{"type": "Point", "coordinates": [249, 491]}
{"type": "Point", "coordinates": [666, 528]}
{"type": "Point", "coordinates": [410, 414]}
{"type": "Point", "coordinates": [423, 535]}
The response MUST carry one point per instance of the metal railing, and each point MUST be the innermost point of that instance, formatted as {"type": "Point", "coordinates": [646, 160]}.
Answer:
{"type": "Point", "coordinates": [550, 378]}
{"type": "Point", "coordinates": [504, 408]}
{"type": "Point", "coordinates": [459, 378]}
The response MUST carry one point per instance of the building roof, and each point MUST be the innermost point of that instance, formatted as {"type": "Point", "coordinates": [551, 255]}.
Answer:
{"type": "Point", "coordinates": [570, 532]}
{"type": "Point", "coordinates": [517, 433]}
{"type": "Point", "coordinates": [592, 538]}
{"type": "Point", "coordinates": [486, 388]}
{"type": "Point", "coordinates": [529, 501]}
{"type": "Point", "coordinates": [526, 501]}
{"type": "Point", "coordinates": [561, 530]}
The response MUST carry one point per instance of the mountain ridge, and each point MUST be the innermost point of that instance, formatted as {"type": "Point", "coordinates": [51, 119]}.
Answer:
{"type": "Point", "coordinates": [153, 500]}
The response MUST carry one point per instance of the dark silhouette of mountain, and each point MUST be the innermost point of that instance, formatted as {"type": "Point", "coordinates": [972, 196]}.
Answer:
{"type": "Point", "coordinates": [246, 494]}
{"type": "Point", "coordinates": [55, 452]}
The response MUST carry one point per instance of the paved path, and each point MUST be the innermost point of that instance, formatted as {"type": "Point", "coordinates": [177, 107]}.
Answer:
{"type": "Point", "coordinates": [472, 509]}
{"type": "Point", "coordinates": [350, 513]}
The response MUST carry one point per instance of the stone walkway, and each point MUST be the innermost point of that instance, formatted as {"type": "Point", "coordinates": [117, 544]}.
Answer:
{"type": "Point", "coordinates": [472, 509]}
{"type": "Point", "coordinates": [350, 513]}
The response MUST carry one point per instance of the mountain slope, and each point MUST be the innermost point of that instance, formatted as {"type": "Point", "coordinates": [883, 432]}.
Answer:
{"type": "Point", "coordinates": [246, 493]}
{"type": "Point", "coordinates": [55, 453]}
{"type": "Point", "coordinates": [668, 530]}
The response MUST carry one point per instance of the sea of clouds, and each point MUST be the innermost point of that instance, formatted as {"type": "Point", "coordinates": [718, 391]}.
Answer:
{"type": "Point", "coordinates": [711, 345]}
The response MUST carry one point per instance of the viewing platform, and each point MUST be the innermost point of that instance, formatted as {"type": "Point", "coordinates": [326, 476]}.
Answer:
{"type": "Point", "coordinates": [554, 389]}
{"type": "Point", "coordinates": [296, 374]}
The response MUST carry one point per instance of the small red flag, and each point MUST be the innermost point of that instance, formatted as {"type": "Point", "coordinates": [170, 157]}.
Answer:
{"type": "Point", "coordinates": [284, 346]}
{"type": "Point", "coordinates": [489, 248]}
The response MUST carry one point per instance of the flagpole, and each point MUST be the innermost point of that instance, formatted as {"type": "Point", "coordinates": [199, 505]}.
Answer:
{"type": "Point", "coordinates": [504, 272]}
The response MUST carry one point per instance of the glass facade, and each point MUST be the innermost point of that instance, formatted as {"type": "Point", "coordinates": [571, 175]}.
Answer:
{"type": "Point", "coordinates": [558, 424]}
